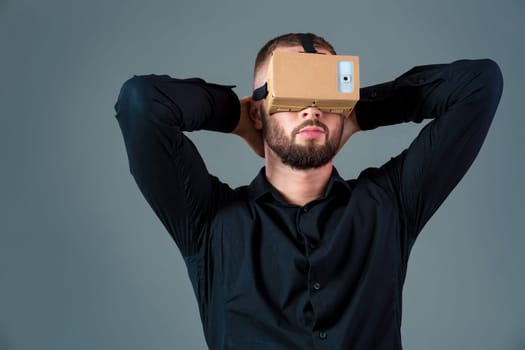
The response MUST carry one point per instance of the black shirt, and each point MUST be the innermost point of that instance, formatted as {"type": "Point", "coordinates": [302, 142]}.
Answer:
{"type": "Point", "coordinates": [327, 275]}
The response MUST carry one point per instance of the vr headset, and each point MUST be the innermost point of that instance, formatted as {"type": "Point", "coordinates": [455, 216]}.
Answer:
{"type": "Point", "coordinates": [298, 80]}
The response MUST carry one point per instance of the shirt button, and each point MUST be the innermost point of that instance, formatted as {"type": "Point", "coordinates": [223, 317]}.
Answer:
{"type": "Point", "coordinates": [373, 94]}
{"type": "Point", "coordinates": [317, 286]}
{"type": "Point", "coordinates": [305, 209]}
{"type": "Point", "coordinates": [312, 246]}
{"type": "Point", "coordinates": [322, 335]}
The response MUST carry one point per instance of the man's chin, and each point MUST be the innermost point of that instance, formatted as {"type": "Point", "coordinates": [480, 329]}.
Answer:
{"type": "Point", "coordinates": [310, 144]}
{"type": "Point", "coordinates": [306, 157]}
{"type": "Point", "coordinates": [306, 166]}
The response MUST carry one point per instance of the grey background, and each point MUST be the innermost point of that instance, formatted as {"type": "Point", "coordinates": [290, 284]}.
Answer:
{"type": "Point", "coordinates": [85, 264]}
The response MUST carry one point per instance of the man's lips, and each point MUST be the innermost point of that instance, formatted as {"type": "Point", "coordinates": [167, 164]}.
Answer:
{"type": "Point", "coordinates": [311, 131]}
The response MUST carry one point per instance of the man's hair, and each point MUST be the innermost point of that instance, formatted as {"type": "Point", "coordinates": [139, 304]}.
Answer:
{"type": "Point", "coordinates": [286, 40]}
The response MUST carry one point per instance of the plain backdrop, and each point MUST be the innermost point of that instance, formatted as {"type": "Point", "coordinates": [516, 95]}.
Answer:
{"type": "Point", "coordinates": [84, 262]}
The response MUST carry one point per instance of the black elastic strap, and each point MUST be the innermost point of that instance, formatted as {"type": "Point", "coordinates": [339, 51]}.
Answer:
{"type": "Point", "coordinates": [307, 42]}
{"type": "Point", "coordinates": [260, 93]}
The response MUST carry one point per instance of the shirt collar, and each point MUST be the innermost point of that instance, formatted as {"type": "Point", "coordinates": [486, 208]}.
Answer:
{"type": "Point", "coordinates": [261, 188]}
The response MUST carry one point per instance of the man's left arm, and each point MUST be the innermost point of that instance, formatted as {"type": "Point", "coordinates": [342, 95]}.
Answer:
{"type": "Point", "coordinates": [462, 98]}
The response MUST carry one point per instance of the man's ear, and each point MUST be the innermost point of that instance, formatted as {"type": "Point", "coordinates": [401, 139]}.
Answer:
{"type": "Point", "coordinates": [255, 116]}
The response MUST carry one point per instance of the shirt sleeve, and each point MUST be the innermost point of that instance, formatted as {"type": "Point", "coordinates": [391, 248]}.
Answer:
{"type": "Point", "coordinates": [461, 97]}
{"type": "Point", "coordinates": [153, 111]}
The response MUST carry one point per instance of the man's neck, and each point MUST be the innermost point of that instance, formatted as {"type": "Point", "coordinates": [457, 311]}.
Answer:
{"type": "Point", "coordinates": [297, 187]}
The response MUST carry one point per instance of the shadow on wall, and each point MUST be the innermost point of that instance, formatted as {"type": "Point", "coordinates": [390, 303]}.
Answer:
{"type": "Point", "coordinates": [4, 341]}
{"type": "Point", "coordinates": [3, 8]}
{"type": "Point", "coordinates": [521, 342]}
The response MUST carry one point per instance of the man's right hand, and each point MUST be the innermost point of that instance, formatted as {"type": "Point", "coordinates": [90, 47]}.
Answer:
{"type": "Point", "coordinates": [246, 129]}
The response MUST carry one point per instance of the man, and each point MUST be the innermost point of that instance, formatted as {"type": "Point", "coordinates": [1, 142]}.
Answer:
{"type": "Point", "coordinates": [300, 258]}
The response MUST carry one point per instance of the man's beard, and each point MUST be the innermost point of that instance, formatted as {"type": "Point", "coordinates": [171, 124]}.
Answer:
{"type": "Point", "coordinates": [305, 156]}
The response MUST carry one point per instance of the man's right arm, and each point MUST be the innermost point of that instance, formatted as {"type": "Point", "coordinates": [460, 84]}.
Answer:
{"type": "Point", "coordinates": [153, 111]}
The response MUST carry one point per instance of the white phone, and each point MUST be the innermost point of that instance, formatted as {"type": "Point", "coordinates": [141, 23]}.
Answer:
{"type": "Point", "coordinates": [345, 76]}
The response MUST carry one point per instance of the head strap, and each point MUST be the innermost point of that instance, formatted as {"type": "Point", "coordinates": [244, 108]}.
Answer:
{"type": "Point", "coordinates": [260, 93]}
{"type": "Point", "coordinates": [307, 42]}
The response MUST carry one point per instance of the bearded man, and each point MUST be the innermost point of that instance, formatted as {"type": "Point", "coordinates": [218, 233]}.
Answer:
{"type": "Point", "coordinates": [301, 258]}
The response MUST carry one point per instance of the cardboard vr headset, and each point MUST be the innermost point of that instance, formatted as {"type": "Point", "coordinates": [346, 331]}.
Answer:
{"type": "Point", "coordinates": [298, 80]}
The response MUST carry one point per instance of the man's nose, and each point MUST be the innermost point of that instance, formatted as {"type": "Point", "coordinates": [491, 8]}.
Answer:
{"type": "Point", "coordinates": [311, 113]}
